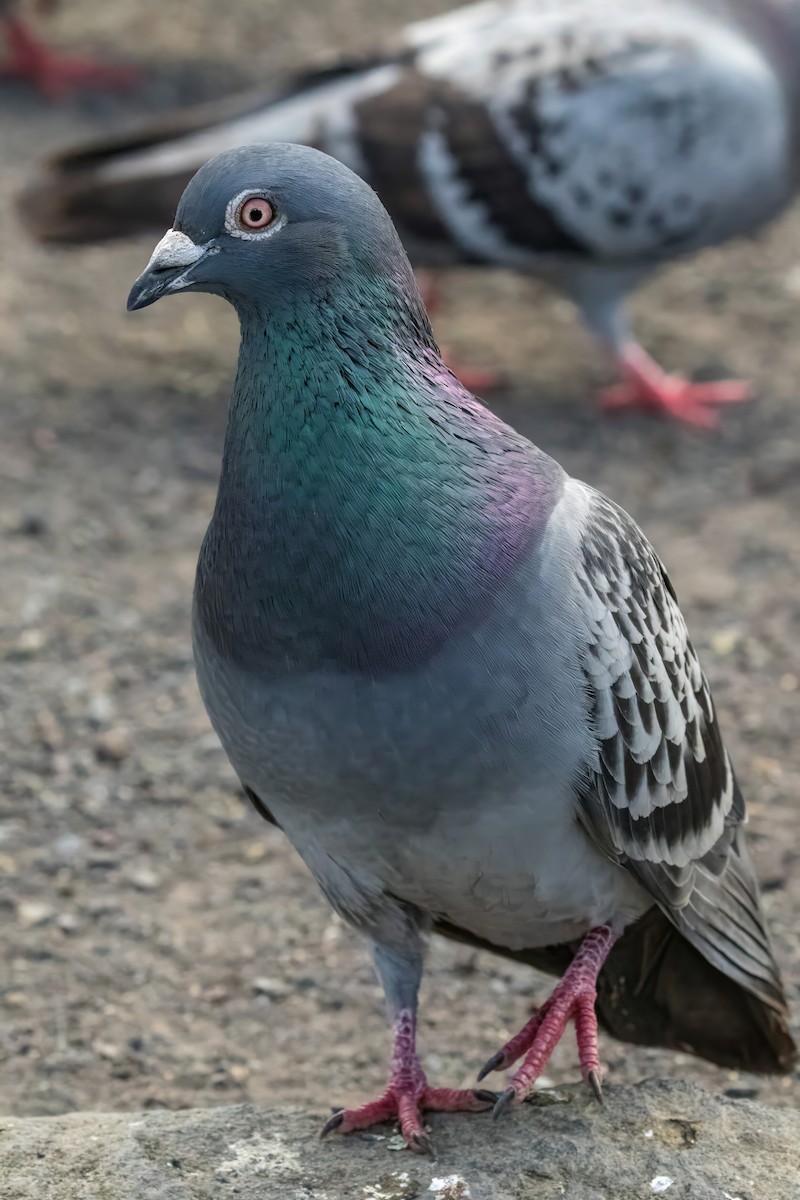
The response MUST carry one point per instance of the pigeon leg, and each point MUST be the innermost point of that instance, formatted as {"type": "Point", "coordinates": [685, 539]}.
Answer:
{"type": "Point", "coordinates": [572, 999]}
{"type": "Point", "coordinates": [645, 386]}
{"type": "Point", "coordinates": [474, 379]}
{"type": "Point", "coordinates": [52, 74]}
{"type": "Point", "coordinates": [407, 1095]}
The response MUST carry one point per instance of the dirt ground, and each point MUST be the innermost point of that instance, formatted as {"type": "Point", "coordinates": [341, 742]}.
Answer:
{"type": "Point", "coordinates": [159, 944]}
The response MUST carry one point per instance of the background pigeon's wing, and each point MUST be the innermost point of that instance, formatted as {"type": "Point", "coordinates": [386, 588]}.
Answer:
{"type": "Point", "coordinates": [661, 798]}
{"type": "Point", "coordinates": [616, 132]}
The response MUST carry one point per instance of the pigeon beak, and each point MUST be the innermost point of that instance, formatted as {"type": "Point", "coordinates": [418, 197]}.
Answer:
{"type": "Point", "coordinates": [169, 268]}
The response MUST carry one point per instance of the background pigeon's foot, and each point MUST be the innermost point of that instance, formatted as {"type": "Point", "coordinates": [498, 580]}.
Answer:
{"type": "Point", "coordinates": [474, 379]}
{"type": "Point", "coordinates": [408, 1095]}
{"type": "Point", "coordinates": [54, 76]}
{"type": "Point", "coordinates": [646, 386]}
{"type": "Point", "coordinates": [572, 999]}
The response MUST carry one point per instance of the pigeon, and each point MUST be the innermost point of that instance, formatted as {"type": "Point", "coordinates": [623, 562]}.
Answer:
{"type": "Point", "coordinates": [457, 679]}
{"type": "Point", "coordinates": [588, 142]}
{"type": "Point", "coordinates": [54, 75]}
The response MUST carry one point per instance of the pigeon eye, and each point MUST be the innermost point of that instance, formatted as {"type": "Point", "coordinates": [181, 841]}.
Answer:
{"type": "Point", "coordinates": [254, 212]}
{"type": "Point", "coordinates": [250, 215]}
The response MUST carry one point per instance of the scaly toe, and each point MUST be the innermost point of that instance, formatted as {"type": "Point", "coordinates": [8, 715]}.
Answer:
{"type": "Point", "coordinates": [405, 1107]}
{"type": "Point", "coordinates": [723, 391]}
{"type": "Point", "coordinates": [692, 403]}
{"type": "Point", "coordinates": [457, 1100]}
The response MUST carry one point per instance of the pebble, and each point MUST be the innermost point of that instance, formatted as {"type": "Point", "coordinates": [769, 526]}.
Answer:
{"type": "Point", "coordinates": [450, 1187]}
{"type": "Point", "coordinates": [29, 643]}
{"type": "Point", "coordinates": [112, 746]}
{"type": "Point", "coordinates": [68, 845]}
{"type": "Point", "coordinates": [275, 989]}
{"type": "Point", "coordinates": [725, 641]}
{"type": "Point", "coordinates": [34, 912]}
{"type": "Point", "coordinates": [254, 852]}
{"type": "Point", "coordinates": [144, 880]}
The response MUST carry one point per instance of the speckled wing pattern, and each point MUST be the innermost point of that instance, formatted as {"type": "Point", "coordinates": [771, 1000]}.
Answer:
{"type": "Point", "coordinates": [662, 799]}
{"type": "Point", "coordinates": [574, 129]}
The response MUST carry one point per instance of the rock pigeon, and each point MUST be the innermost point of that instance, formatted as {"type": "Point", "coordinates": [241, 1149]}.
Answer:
{"type": "Point", "coordinates": [53, 74]}
{"type": "Point", "coordinates": [585, 141]}
{"type": "Point", "coordinates": [457, 679]}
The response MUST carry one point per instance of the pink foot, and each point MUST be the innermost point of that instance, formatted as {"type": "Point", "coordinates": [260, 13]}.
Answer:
{"type": "Point", "coordinates": [646, 386]}
{"type": "Point", "coordinates": [572, 999]}
{"type": "Point", "coordinates": [52, 74]}
{"type": "Point", "coordinates": [474, 379]}
{"type": "Point", "coordinates": [408, 1095]}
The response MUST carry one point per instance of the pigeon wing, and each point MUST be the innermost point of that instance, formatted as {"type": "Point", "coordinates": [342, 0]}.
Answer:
{"type": "Point", "coordinates": [577, 130]}
{"type": "Point", "coordinates": [661, 798]}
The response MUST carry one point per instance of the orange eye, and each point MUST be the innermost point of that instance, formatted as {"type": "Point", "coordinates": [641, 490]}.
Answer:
{"type": "Point", "coordinates": [255, 212]}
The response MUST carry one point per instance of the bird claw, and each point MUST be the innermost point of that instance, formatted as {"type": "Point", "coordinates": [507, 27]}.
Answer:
{"type": "Point", "coordinates": [492, 1064]}
{"type": "Point", "coordinates": [332, 1123]}
{"type": "Point", "coordinates": [504, 1102]}
{"type": "Point", "coordinates": [595, 1081]}
{"type": "Point", "coordinates": [420, 1143]}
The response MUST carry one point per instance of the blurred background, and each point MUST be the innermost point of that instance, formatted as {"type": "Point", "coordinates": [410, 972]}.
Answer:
{"type": "Point", "coordinates": [159, 944]}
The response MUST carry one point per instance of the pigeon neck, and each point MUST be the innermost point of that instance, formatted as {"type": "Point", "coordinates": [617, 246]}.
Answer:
{"type": "Point", "coordinates": [368, 508]}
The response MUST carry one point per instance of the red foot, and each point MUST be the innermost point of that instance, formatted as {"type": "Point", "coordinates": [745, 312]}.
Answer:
{"type": "Point", "coordinates": [646, 386]}
{"type": "Point", "coordinates": [408, 1095]}
{"type": "Point", "coordinates": [53, 75]}
{"type": "Point", "coordinates": [572, 999]}
{"type": "Point", "coordinates": [474, 379]}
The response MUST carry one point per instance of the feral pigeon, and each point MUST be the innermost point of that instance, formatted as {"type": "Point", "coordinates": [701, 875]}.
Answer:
{"type": "Point", "coordinates": [457, 679]}
{"type": "Point", "coordinates": [53, 74]}
{"type": "Point", "coordinates": [585, 141]}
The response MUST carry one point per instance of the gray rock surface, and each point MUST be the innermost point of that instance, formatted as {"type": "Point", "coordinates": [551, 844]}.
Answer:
{"type": "Point", "coordinates": [656, 1139]}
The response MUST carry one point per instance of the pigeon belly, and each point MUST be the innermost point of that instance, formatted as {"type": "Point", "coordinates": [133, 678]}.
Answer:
{"type": "Point", "coordinates": [451, 789]}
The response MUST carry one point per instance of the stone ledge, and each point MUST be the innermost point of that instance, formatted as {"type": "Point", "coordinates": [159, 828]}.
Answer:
{"type": "Point", "coordinates": [668, 1139]}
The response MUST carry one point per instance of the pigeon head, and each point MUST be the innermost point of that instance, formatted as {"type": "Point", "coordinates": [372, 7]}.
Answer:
{"type": "Point", "coordinates": [266, 224]}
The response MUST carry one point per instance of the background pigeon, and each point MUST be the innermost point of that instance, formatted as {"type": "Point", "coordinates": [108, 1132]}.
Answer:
{"type": "Point", "coordinates": [456, 678]}
{"type": "Point", "coordinates": [52, 73]}
{"type": "Point", "coordinates": [586, 141]}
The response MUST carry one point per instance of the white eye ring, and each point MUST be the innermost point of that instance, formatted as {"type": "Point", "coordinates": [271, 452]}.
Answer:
{"type": "Point", "coordinates": [233, 227]}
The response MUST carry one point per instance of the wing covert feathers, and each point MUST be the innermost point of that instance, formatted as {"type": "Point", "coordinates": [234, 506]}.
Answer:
{"type": "Point", "coordinates": [661, 798]}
